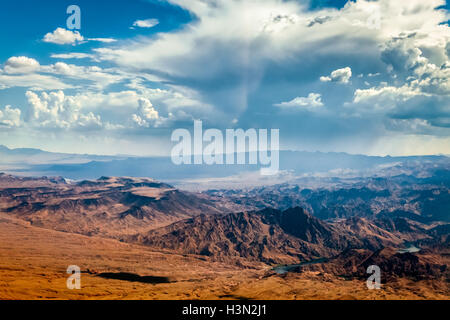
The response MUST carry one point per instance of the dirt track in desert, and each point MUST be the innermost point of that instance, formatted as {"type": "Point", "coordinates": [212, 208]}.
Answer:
{"type": "Point", "coordinates": [33, 263]}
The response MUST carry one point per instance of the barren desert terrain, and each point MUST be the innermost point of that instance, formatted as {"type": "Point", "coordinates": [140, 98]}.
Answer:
{"type": "Point", "coordinates": [33, 263]}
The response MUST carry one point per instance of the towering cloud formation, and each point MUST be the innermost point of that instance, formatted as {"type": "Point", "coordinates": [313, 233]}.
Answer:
{"type": "Point", "coordinates": [369, 76]}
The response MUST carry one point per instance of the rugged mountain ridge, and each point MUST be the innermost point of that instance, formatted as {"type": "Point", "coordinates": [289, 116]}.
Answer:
{"type": "Point", "coordinates": [109, 206]}
{"type": "Point", "coordinates": [270, 236]}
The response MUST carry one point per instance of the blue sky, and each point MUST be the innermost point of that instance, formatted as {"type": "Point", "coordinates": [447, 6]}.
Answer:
{"type": "Point", "coordinates": [30, 20]}
{"type": "Point", "coordinates": [366, 77]}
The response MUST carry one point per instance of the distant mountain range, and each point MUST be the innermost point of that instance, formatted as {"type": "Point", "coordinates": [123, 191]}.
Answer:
{"type": "Point", "coordinates": [423, 199]}
{"type": "Point", "coordinates": [293, 164]}
{"type": "Point", "coordinates": [30, 157]}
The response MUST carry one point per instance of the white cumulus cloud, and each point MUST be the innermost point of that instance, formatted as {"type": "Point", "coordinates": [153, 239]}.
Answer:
{"type": "Point", "coordinates": [340, 75]}
{"type": "Point", "coordinates": [21, 65]}
{"type": "Point", "coordinates": [63, 36]}
{"type": "Point", "coordinates": [146, 113]}
{"type": "Point", "coordinates": [10, 117]}
{"type": "Point", "coordinates": [55, 110]}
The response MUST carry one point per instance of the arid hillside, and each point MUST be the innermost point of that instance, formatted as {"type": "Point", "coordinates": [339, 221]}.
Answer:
{"type": "Point", "coordinates": [33, 264]}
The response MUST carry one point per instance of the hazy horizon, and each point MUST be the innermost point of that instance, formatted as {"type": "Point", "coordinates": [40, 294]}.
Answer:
{"type": "Point", "coordinates": [168, 155]}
